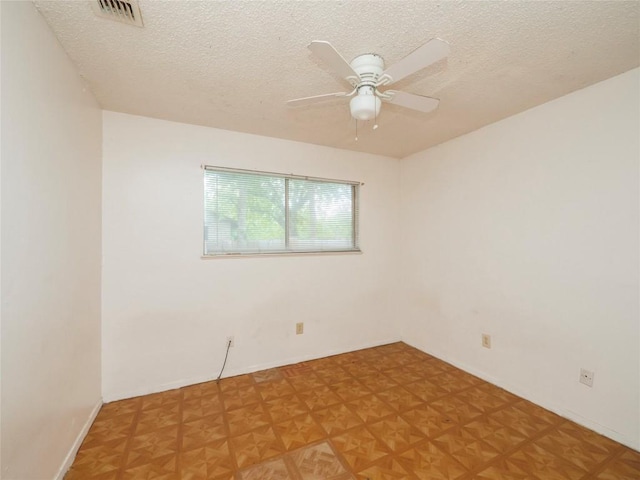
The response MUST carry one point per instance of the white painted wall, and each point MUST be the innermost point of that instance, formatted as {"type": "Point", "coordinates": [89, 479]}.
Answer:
{"type": "Point", "coordinates": [0, 251]}
{"type": "Point", "coordinates": [167, 312]}
{"type": "Point", "coordinates": [51, 148]}
{"type": "Point", "coordinates": [528, 230]}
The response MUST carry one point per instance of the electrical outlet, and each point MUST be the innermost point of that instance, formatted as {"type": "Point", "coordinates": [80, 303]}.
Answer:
{"type": "Point", "coordinates": [586, 377]}
{"type": "Point", "coordinates": [231, 342]}
{"type": "Point", "coordinates": [486, 340]}
{"type": "Point", "coordinates": [299, 328]}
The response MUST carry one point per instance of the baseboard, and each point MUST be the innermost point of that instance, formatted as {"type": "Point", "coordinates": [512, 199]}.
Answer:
{"type": "Point", "coordinates": [109, 397]}
{"type": "Point", "coordinates": [527, 395]}
{"type": "Point", "coordinates": [68, 461]}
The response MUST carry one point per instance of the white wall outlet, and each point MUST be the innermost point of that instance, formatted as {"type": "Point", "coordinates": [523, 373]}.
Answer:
{"type": "Point", "coordinates": [299, 328]}
{"type": "Point", "coordinates": [586, 377]}
{"type": "Point", "coordinates": [486, 340]}
{"type": "Point", "coordinates": [231, 342]}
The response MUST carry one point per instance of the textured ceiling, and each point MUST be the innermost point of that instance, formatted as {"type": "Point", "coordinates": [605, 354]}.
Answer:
{"type": "Point", "coordinates": [234, 64]}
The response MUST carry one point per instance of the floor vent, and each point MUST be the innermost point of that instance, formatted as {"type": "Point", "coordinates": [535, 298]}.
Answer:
{"type": "Point", "coordinates": [125, 11]}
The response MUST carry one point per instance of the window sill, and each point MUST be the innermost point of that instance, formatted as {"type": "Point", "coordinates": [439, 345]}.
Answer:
{"type": "Point", "coordinates": [279, 254]}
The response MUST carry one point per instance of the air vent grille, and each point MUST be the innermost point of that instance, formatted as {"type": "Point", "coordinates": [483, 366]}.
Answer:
{"type": "Point", "coordinates": [125, 11]}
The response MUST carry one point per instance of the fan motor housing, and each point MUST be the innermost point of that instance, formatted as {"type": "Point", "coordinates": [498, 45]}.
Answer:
{"type": "Point", "coordinates": [368, 66]}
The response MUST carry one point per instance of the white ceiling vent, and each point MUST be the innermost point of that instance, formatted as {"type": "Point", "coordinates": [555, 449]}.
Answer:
{"type": "Point", "coordinates": [125, 11]}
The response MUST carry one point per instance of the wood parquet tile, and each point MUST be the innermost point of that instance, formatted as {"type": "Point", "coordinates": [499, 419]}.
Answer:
{"type": "Point", "coordinates": [387, 468]}
{"type": "Point", "coordinates": [426, 460]}
{"type": "Point", "coordinates": [271, 470]}
{"type": "Point", "coordinates": [275, 389]}
{"type": "Point", "coordinates": [399, 398]}
{"type": "Point", "coordinates": [165, 416]}
{"type": "Point", "coordinates": [456, 409]}
{"type": "Point", "coordinates": [396, 433]}
{"type": "Point", "coordinates": [245, 419]}
{"type": "Point", "coordinates": [95, 460]}
{"type": "Point", "coordinates": [311, 381]}
{"type": "Point", "coordinates": [113, 409]}
{"type": "Point", "coordinates": [370, 408]}
{"type": "Point", "coordinates": [426, 390]}
{"type": "Point", "coordinates": [299, 431]}
{"type": "Point", "coordinates": [199, 432]}
{"type": "Point", "coordinates": [267, 375]}
{"type": "Point", "coordinates": [582, 454]}
{"type": "Point", "coordinates": [390, 412]}
{"type": "Point", "coordinates": [109, 428]}
{"type": "Point", "coordinates": [428, 420]}
{"type": "Point", "coordinates": [284, 408]}
{"type": "Point", "coordinates": [241, 397]}
{"type": "Point", "coordinates": [319, 398]}
{"type": "Point", "coordinates": [360, 448]}
{"type": "Point", "coordinates": [502, 470]}
{"type": "Point", "coordinates": [209, 461]}
{"type": "Point", "coordinates": [624, 466]}
{"type": "Point", "coordinates": [630, 458]}
{"type": "Point", "coordinates": [337, 419]}
{"type": "Point", "coordinates": [403, 376]}
{"type": "Point", "coordinates": [164, 399]}
{"type": "Point", "coordinates": [377, 383]}
{"type": "Point", "coordinates": [527, 425]}
{"type": "Point", "coordinates": [334, 374]}
{"type": "Point", "coordinates": [540, 463]}
{"type": "Point", "coordinates": [500, 437]}
{"type": "Point", "coordinates": [318, 462]}
{"type": "Point", "coordinates": [194, 408]}
{"type": "Point", "coordinates": [256, 446]}
{"type": "Point", "coordinates": [465, 448]}
{"type": "Point", "coordinates": [163, 468]}
{"type": "Point", "coordinates": [153, 447]}
{"type": "Point", "coordinates": [350, 389]}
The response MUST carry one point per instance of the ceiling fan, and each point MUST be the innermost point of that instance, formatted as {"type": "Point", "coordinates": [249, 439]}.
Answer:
{"type": "Point", "coordinates": [366, 74]}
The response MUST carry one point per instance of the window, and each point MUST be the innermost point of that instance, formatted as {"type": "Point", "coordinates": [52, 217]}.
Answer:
{"type": "Point", "coordinates": [248, 212]}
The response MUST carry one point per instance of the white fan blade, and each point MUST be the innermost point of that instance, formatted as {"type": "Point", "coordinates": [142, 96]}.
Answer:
{"type": "Point", "coordinates": [432, 51]}
{"type": "Point", "coordinates": [298, 102]}
{"type": "Point", "coordinates": [330, 56]}
{"type": "Point", "coordinates": [412, 101]}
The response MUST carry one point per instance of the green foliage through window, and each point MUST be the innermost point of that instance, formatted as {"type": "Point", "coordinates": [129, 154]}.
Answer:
{"type": "Point", "coordinates": [248, 212]}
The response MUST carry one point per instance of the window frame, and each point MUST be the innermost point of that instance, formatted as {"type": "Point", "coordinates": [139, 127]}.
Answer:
{"type": "Point", "coordinates": [355, 215]}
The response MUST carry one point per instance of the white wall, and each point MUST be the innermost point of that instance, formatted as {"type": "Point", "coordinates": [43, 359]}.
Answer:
{"type": "Point", "coordinates": [0, 254]}
{"type": "Point", "coordinates": [51, 148]}
{"type": "Point", "coordinates": [528, 230]}
{"type": "Point", "coordinates": [167, 312]}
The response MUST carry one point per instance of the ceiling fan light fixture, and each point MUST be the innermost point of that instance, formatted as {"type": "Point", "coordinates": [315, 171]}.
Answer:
{"type": "Point", "coordinates": [365, 106]}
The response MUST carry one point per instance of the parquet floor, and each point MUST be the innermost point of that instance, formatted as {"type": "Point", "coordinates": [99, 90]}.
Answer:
{"type": "Point", "coordinates": [390, 412]}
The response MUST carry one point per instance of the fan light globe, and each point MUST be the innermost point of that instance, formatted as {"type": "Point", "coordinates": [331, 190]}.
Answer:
{"type": "Point", "coordinates": [365, 107]}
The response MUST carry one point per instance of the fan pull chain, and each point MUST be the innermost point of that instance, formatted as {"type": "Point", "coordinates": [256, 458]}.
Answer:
{"type": "Point", "coordinates": [356, 129]}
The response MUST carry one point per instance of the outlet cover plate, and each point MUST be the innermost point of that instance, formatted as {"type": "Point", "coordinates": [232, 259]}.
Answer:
{"type": "Point", "coordinates": [486, 340]}
{"type": "Point", "coordinates": [586, 377]}
{"type": "Point", "coordinates": [299, 328]}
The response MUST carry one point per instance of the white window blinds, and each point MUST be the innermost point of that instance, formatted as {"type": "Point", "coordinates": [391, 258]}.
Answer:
{"type": "Point", "coordinates": [256, 212]}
